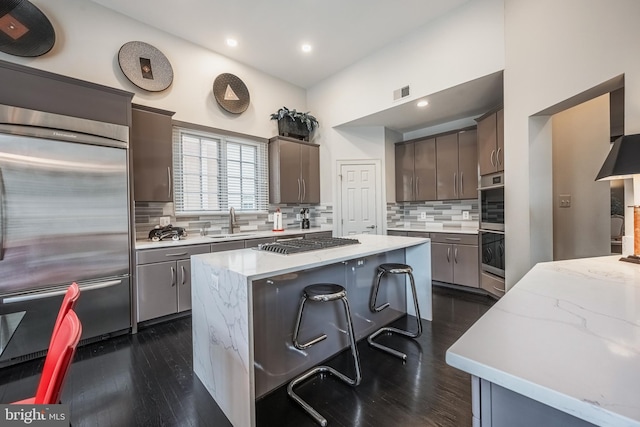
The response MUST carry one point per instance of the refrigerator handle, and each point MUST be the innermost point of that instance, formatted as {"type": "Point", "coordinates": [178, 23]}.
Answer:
{"type": "Point", "coordinates": [42, 295]}
{"type": "Point", "coordinates": [3, 227]}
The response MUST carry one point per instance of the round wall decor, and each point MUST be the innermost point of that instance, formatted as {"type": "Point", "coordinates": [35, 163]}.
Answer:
{"type": "Point", "coordinates": [231, 93]}
{"type": "Point", "coordinates": [24, 29]}
{"type": "Point", "coordinates": [145, 66]}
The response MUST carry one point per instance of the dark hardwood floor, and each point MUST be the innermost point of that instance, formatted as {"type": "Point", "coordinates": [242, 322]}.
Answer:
{"type": "Point", "coordinates": [147, 380]}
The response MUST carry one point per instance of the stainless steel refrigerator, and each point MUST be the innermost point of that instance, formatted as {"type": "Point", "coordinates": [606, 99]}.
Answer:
{"type": "Point", "coordinates": [64, 217]}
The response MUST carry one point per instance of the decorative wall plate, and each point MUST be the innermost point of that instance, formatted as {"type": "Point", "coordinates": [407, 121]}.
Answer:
{"type": "Point", "coordinates": [231, 93]}
{"type": "Point", "coordinates": [145, 66]}
{"type": "Point", "coordinates": [24, 29]}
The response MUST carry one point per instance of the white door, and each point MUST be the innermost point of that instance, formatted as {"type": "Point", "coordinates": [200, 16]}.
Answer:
{"type": "Point", "coordinates": [358, 199]}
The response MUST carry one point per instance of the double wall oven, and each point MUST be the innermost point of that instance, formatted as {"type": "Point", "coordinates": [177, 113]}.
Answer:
{"type": "Point", "coordinates": [491, 200]}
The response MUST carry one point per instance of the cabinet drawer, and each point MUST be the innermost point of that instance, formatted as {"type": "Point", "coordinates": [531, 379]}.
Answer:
{"type": "Point", "coordinates": [148, 256]}
{"type": "Point", "coordinates": [227, 246]}
{"type": "Point", "coordinates": [253, 243]}
{"type": "Point", "coordinates": [418, 234]}
{"type": "Point", "coordinates": [459, 239]}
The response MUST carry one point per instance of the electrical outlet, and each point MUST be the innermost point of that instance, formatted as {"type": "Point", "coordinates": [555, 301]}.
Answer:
{"type": "Point", "coordinates": [298, 217]}
{"type": "Point", "coordinates": [423, 215]}
{"type": "Point", "coordinates": [465, 214]}
{"type": "Point", "coordinates": [270, 217]}
{"type": "Point", "coordinates": [407, 225]}
{"type": "Point", "coordinates": [164, 221]}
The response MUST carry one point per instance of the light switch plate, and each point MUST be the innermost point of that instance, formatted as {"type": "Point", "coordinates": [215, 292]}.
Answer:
{"type": "Point", "coordinates": [164, 221]}
{"type": "Point", "coordinates": [270, 217]}
{"type": "Point", "coordinates": [564, 200]}
{"type": "Point", "coordinates": [465, 214]}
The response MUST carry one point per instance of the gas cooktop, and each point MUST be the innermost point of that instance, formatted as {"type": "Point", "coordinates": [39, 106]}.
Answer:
{"type": "Point", "coordinates": [287, 247]}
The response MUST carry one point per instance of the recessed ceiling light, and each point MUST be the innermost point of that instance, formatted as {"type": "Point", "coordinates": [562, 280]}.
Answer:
{"type": "Point", "coordinates": [423, 103]}
{"type": "Point", "coordinates": [232, 42]}
{"type": "Point", "coordinates": [306, 48]}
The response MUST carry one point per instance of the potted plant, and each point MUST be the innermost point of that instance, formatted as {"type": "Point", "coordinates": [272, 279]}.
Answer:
{"type": "Point", "coordinates": [294, 123]}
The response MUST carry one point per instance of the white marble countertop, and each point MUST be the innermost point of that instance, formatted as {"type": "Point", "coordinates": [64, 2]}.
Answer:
{"type": "Point", "coordinates": [566, 335]}
{"type": "Point", "coordinates": [255, 264]}
{"type": "Point", "coordinates": [434, 229]}
{"type": "Point", "coordinates": [216, 238]}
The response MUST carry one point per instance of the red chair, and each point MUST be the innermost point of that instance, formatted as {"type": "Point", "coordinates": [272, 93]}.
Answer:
{"type": "Point", "coordinates": [68, 303]}
{"type": "Point", "coordinates": [57, 362]}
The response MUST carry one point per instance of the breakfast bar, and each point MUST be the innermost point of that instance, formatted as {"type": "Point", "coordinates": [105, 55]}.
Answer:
{"type": "Point", "coordinates": [244, 305]}
{"type": "Point", "coordinates": [561, 348]}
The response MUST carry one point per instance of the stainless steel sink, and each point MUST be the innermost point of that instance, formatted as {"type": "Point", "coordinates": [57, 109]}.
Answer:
{"type": "Point", "coordinates": [228, 236]}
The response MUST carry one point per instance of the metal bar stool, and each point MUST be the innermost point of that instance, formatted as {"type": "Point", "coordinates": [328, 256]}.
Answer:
{"type": "Point", "coordinates": [323, 292]}
{"type": "Point", "coordinates": [393, 269]}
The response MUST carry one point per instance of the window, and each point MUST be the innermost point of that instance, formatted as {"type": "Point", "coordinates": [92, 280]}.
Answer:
{"type": "Point", "coordinates": [214, 172]}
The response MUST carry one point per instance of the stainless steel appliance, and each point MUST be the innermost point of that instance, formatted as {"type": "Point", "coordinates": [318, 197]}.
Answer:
{"type": "Point", "coordinates": [293, 246]}
{"type": "Point", "coordinates": [492, 247]}
{"type": "Point", "coordinates": [64, 217]}
{"type": "Point", "coordinates": [491, 200]}
{"type": "Point", "coordinates": [492, 252]}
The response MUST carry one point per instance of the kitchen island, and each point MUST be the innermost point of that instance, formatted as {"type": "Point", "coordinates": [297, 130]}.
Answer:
{"type": "Point", "coordinates": [561, 348]}
{"type": "Point", "coordinates": [244, 304]}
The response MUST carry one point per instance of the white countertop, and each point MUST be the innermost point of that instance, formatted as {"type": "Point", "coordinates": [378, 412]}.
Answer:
{"type": "Point", "coordinates": [214, 238]}
{"type": "Point", "coordinates": [255, 264]}
{"type": "Point", "coordinates": [566, 335]}
{"type": "Point", "coordinates": [454, 230]}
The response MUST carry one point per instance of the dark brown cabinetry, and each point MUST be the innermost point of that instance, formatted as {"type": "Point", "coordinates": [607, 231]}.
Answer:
{"type": "Point", "coordinates": [416, 171]}
{"type": "Point", "coordinates": [457, 165]}
{"type": "Point", "coordinates": [455, 259]}
{"type": "Point", "coordinates": [164, 280]}
{"type": "Point", "coordinates": [152, 153]}
{"type": "Point", "coordinates": [294, 171]}
{"type": "Point", "coordinates": [491, 142]}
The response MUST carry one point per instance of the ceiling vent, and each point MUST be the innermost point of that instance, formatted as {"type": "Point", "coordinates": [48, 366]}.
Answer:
{"type": "Point", "coordinates": [401, 93]}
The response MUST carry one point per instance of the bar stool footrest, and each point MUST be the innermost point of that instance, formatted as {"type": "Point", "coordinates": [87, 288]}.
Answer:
{"type": "Point", "coordinates": [311, 372]}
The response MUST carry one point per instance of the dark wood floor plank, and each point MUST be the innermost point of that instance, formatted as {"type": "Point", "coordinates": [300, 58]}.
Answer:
{"type": "Point", "coordinates": [147, 380]}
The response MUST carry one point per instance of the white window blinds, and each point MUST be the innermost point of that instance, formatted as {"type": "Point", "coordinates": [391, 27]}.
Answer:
{"type": "Point", "coordinates": [214, 172]}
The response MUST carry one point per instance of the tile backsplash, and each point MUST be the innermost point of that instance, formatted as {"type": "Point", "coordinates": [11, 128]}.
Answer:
{"type": "Point", "coordinates": [417, 215]}
{"type": "Point", "coordinates": [148, 216]}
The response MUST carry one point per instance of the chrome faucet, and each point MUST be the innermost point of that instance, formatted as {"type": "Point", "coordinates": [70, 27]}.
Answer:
{"type": "Point", "coordinates": [232, 220]}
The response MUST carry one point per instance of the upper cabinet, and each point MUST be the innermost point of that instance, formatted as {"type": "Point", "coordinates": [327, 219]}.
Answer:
{"type": "Point", "coordinates": [491, 142]}
{"type": "Point", "coordinates": [457, 165]}
{"type": "Point", "coordinates": [416, 171]}
{"type": "Point", "coordinates": [152, 153]}
{"type": "Point", "coordinates": [294, 171]}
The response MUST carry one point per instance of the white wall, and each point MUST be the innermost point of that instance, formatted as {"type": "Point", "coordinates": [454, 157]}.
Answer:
{"type": "Point", "coordinates": [553, 51]}
{"type": "Point", "coordinates": [461, 46]}
{"type": "Point", "coordinates": [88, 38]}
{"type": "Point", "coordinates": [580, 143]}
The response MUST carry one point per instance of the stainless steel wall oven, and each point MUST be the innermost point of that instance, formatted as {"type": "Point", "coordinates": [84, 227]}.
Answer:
{"type": "Point", "coordinates": [492, 242]}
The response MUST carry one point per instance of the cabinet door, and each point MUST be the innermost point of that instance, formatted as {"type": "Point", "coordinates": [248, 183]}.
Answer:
{"type": "Point", "coordinates": [441, 262]}
{"type": "Point", "coordinates": [156, 290]}
{"type": "Point", "coordinates": [284, 170]}
{"type": "Point", "coordinates": [468, 164]}
{"type": "Point", "coordinates": [500, 140]}
{"type": "Point", "coordinates": [404, 172]}
{"type": "Point", "coordinates": [487, 138]}
{"type": "Point", "coordinates": [183, 284]}
{"type": "Point", "coordinates": [151, 149]}
{"type": "Point", "coordinates": [425, 169]}
{"type": "Point", "coordinates": [447, 166]}
{"type": "Point", "coordinates": [466, 267]}
{"type": "Point", "coordinates": [310, 170]}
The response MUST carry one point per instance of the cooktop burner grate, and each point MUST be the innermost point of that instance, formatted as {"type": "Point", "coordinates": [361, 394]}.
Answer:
{"type": "Point", "coordinates": [293, 246]}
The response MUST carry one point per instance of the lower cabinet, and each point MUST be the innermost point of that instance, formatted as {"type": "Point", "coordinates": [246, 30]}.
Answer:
{"type": "Point", "coordinates": [163, 275]}
{"type": "Point", "coordinates": [454, 259]}
{"type": "Point", "coordinates": [164, 280]}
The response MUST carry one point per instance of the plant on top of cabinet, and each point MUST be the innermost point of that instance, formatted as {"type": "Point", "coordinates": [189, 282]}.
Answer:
{"type": "Point", "coordinates": [295, 124]}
